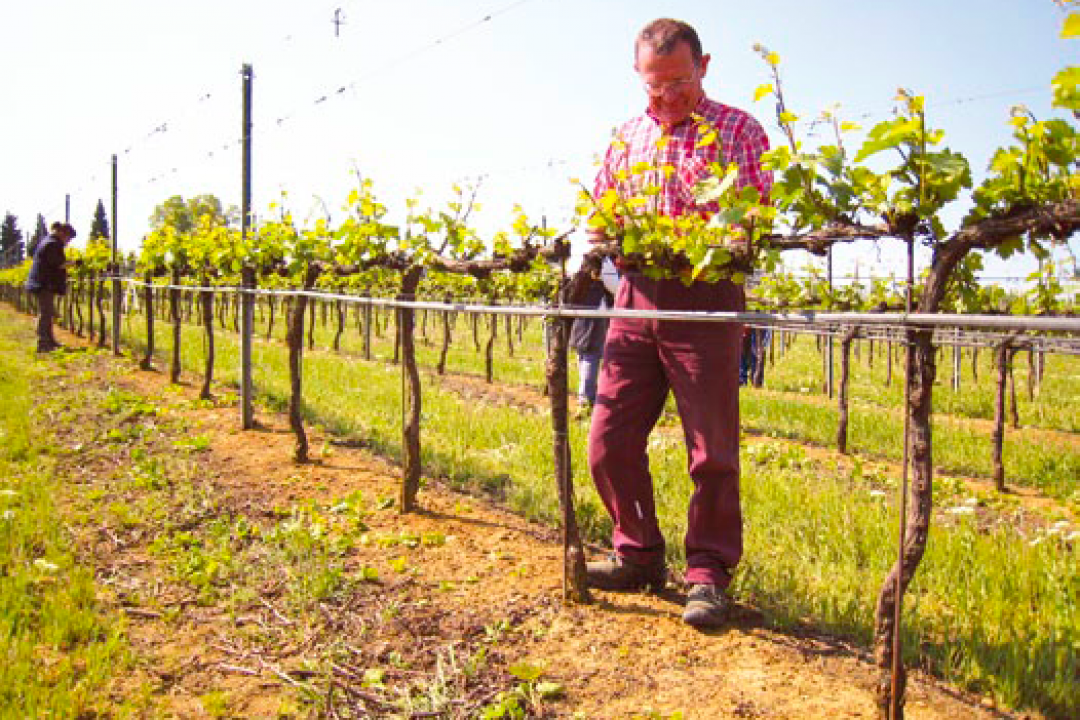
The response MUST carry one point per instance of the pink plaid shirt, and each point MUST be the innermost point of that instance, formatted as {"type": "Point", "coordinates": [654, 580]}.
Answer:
{"type": "Point", "coordinates": [742, 140]}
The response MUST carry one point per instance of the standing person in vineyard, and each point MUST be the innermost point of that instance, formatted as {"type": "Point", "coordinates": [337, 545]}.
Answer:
{"type": "Point", "coordinates": [588, 335]}
{"type": "Point", "coordinates": [48, 278]}
{"type": "Point", "coordinates": [587, 338]}
{"type": "Point", "coordinates": [645, 359]}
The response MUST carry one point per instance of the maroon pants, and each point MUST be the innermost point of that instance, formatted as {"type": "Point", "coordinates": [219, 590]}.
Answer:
{"type": "Point", "coordinates": [699, 363]}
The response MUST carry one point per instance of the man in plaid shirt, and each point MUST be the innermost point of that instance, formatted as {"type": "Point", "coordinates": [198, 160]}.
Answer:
{"type": "Point", "coordinates": [699, 362]}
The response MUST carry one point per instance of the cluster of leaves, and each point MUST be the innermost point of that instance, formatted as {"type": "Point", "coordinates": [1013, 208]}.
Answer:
{"type": "Point", "coordinates": [365, 253]}
{"type": "Point", "coordinates": [783, 290]}
{"type": "Point", "coordinates": [811, 289]}
{"type": "Point", "coordinates": [1040, 168]}
{"type": "Point", "coordinates": [719, 239]}
{"type": "Point", "coordinates": [825, 188]}
{"type": "Point", "coordinates": [15, 276]}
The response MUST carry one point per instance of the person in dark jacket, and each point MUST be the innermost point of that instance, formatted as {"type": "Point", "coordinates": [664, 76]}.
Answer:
{"type": "Point", "coordinates": [48, 278]}
{"type": "Point", "coordinates": [587, 337]}
{"type": "Point", "coordinates": [755, 342]}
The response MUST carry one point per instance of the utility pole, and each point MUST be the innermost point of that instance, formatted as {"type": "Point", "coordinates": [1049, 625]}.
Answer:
{"type": "Point", "coordinates": [248, 280]}
{"type": "Point", "coordinates": [67, 208]}
{"type": "Point", "coordinates": [338, 22]}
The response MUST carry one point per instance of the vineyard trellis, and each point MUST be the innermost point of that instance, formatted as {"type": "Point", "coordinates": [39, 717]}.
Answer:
{"type": "Point", "coordinates": [189, 303]}
{"type": "Point", "coordinates": [820, 198]}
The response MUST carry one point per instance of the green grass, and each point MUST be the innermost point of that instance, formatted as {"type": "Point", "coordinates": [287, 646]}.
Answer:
{"type": "Point", "coordinates": [782, 409]}
{"type": "Point", "coordinates": [959, 446]}
{"type": "Point", "coordinates": [800, 369]}
{"type": "Point", "coordinates": [993, 606]}
{"type": "Point", "coordinates": [59, 647]}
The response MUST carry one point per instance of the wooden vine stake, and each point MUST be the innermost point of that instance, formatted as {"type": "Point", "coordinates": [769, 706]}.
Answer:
{"type": "Point", "coordinates": [574, 584]}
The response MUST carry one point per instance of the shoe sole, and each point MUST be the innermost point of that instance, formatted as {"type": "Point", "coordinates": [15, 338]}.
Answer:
{"type": "Point", "coordinates": [704, 615]}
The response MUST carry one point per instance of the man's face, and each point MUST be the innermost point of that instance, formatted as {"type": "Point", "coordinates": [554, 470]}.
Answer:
{"type": "Point", "coordinates": [672, 81]}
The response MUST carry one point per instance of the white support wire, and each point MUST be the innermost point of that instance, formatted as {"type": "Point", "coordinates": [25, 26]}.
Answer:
{"type": "Point", "coordinates": [807, 319]}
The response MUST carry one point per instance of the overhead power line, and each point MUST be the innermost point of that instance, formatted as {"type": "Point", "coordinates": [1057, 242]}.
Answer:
{"type": "Point", "coordinates": [403, 59]}
{"type": "Point", "coordinates": [944, 104]}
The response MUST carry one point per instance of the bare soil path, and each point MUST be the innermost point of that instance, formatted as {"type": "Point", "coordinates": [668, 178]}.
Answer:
{"type": "Point", "coordinates": [487, 584]}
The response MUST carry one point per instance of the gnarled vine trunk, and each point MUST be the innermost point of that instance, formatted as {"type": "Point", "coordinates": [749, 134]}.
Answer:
{"type": "Point", "coordinates": [758, 377]}
{"type": "Point", "coordinates": [446, 337]}
{"type": "Point", "coordinates": [339, 307]}
{"type": "Point", "coordinates": [174, 308]}
{"type": "Point", "coordinates": [845, 385]}
{"type": "Point", "coordinates": [91, 326]}
{"type": "Point", "coordinates": [998, 435]}
{"type": "Point", "coordinates": [368, 312]}
{"type": "Point", "coordinates": [397, 338]}
{"type": "Point", "coordinates": [76, 299]}
{"type": "Point", "coordinates": [921, 368]}
{"type": "Point", "coordinates": [101, 313]}
{"type": "Point", "coordinates": [295, 340]}
{"type": "Point", "coordinates": [1014, 409]}
{"type": "Point", "coordinates": [410, 432]}
{"type": "Point", "coordinates": [489, 347]}
{"type": "Point", "coordinates": [207, 298]}
{"type": "Point", "coordinates": [270, 321]}
{"type": "Point", "coordinates": [889, 346]}
{"type": "Point", "coordinates": [148, 300]}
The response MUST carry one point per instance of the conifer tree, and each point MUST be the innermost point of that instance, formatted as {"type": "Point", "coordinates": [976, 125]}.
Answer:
{"type": "Point", "coordinates": [40, 231]}
{"type": "Point", "coordinates": [99, 228]}
{"type": "Point", "coordinates": [11, 242]}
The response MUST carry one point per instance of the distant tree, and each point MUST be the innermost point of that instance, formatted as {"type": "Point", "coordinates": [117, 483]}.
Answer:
{"type": "Point", "coordinates": [183, 215]}
{"type": "Point", "coordinates": [11, 241]}
{"type": "Point", "coordinates": [99, 228]}
{"type": "Point", "coordinates": [40, 231]}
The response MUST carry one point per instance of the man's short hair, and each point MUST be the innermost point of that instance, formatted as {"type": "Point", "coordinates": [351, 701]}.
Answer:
{"type": "Point", "coordinates": [664, 34]}
{"type": "Point", "coordinates": [58, 227]}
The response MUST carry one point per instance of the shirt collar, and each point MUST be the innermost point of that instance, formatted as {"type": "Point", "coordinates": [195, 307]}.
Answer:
{"type": "Point", "coordinates": [699, 110]}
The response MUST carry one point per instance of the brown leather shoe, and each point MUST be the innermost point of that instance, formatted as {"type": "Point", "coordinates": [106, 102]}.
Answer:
{"type": "Point", "coordinates": [618, 573]}
{"type": "Point", "coordinates": [706, 606]}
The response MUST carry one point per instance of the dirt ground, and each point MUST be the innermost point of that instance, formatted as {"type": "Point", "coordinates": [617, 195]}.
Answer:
{"type": "Point", "coordinates": [625, 656]}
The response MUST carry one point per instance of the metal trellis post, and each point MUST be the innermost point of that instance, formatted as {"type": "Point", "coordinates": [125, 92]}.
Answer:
{"type": "Point", "coordinates": [247, 299]}
{"type": "Point", "coordinates": [116, 300]}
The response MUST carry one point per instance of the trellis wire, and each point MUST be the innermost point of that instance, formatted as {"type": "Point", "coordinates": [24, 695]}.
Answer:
{"type": "Point", "coordinates": [805, 319]}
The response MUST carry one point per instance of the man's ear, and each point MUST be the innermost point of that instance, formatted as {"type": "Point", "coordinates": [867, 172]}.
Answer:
{"type": "Point", "coordinates": [705, 63]}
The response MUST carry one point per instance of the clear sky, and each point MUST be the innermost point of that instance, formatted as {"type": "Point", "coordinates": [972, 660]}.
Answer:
{"type": "Point", "coordinates": [425, 93]}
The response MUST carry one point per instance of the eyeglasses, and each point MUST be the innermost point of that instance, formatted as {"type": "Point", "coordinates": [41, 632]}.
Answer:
{"type": "Point", "coordinates": [659, 89]}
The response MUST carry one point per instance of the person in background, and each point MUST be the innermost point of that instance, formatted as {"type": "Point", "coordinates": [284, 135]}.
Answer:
{"type": "Point", "coordinates": [48, 279]}
{"type": "Point", "coordinates": [755, 343]}
{"type": "Point", "coordinates": [645, 359]}
{"type": "Point", "coordinates": [587, 337]}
